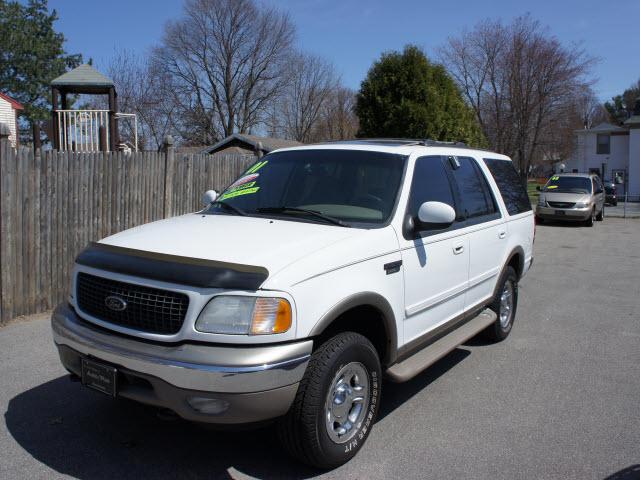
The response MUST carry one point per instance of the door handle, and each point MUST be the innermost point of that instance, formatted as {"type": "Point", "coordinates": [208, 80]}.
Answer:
{"type": "Point", "coordinates": [458, 249]}
{"type": "Point", "coordinates": [502, 234]}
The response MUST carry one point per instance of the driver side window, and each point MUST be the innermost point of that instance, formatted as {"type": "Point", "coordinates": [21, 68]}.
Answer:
{"type": "Point", "coordinates": [430, 184]}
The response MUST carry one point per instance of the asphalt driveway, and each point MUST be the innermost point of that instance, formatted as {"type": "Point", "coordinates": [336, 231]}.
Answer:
{"type": "Point", "coordinates": [560, 398]}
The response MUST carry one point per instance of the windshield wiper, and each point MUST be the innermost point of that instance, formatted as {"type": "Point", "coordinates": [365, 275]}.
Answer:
{"type": "Point", "coordinates": [229, 207]}
{"type": "Point", "coordinates": [315, 213]}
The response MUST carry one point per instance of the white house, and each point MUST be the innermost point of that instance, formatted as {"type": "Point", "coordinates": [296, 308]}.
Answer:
{"type": "Point", "coordinates": [9, 116]}
{"type": "Point", "coordinates": [610, 151]}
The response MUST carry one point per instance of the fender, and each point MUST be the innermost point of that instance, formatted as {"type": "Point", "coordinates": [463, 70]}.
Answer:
{"type": "Point", "coordinates": [516, 251]}
{"type": "Point", "coordinates": [365, 299]}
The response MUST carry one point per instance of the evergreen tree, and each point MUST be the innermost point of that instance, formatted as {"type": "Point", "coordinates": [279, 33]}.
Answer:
{"type": "Point", "coordinates": [621, 107]}
{"type": "Point", "coordinates": [406, 96]}
{"type": "Point", "coordinates": [31, 55]}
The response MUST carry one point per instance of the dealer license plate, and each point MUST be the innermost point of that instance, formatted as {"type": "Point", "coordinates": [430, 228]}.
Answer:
{"type": "Point", "coordinates": [99, 376]}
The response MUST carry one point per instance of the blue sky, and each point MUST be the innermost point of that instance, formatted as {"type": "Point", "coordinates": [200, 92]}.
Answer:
{"type": "Point", "coordinates": [353, 33]}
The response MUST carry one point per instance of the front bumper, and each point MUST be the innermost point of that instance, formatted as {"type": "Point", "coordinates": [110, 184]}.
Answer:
{"type": "Point", "coordinates": [250, 384]}
{"type": "Point", "coordinates": [570, 214]}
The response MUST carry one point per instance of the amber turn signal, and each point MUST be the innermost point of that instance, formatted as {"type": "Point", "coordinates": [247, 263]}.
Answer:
{"type": "Point", "coordinates": [270, 315]}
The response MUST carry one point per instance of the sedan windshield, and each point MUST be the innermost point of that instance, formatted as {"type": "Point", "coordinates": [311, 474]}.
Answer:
{"type": "Point", "coordinates": [568, 184]}
{"type": "Point", "coordinates": [340, 187]}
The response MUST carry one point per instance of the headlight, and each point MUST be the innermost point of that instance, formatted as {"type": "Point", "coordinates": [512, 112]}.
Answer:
{"type": "Point", "coordinates": [541, 202]}
{"type": "Point", "coordinates": [239, 315]}
{"type": "Point", "coordinates": [581, 205]}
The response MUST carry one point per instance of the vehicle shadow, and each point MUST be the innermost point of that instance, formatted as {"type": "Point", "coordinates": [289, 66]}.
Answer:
{"type": "Point", "coordinates": [84, 434]}
{"type": "Point", "coordinates": [558, 223]}
{"type": "Point", "coordinates": [629, 473]}
{"type": "Point", "coordinates": [396, 394]}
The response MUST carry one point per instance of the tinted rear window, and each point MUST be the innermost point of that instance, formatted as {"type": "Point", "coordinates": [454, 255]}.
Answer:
{"type": "Point", "coordinates": [473, 188]}
{"type": "Point", "coordinates": [511, 186]}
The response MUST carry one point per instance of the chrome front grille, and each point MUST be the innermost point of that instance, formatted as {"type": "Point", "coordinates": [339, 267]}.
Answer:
{"type": "Point", "coordinates": [129, 305]}
{"type": "Point", "coordinates": [561, 204]}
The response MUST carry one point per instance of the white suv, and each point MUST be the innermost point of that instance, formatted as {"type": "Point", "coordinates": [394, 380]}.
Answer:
{"type": "Point", "coordinates": [320, 271]}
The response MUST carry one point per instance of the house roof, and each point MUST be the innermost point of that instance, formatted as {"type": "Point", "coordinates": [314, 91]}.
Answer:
{"type": "Point", "coordinates": [633, 121]}
{"type": "Point", "coordinates": [604, 127]}
{"type": "Point", "coordinates": [82, 76]}
{"type": "Point", "coordinates": [14, 103]}
{"type": "Point", "coordinates": [635, 116]}
{"type": "Point", "coordinates": [268, 143]}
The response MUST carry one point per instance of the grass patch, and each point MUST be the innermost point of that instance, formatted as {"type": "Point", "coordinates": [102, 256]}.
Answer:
{"type": "Point", "coordinates": [532, 192]}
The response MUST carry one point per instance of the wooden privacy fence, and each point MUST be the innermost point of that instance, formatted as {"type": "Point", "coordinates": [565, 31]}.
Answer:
{"type": "Point", "coordinates": [52, 204]}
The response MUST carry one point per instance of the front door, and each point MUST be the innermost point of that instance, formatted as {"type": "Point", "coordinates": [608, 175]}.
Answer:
{"type": "Point", "coordinates": [435, 262]}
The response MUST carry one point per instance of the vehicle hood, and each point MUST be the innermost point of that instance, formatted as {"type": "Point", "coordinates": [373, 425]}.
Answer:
{"type": "Point", "coordinates": [262, 242]}
{"type": "Point", "coordinates": [566, 197]}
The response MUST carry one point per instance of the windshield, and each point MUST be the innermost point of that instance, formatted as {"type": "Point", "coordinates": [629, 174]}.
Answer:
{"type": "Point", "coordinates": [568, 184]}
{"type": "Point", "coordinates": [348, 185]}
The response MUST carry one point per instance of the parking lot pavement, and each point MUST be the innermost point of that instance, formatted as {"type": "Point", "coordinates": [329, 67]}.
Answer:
{"type": "Point", "coordinates": [560, 398]}
{"type": "Point", "coordinates": [632, 210]}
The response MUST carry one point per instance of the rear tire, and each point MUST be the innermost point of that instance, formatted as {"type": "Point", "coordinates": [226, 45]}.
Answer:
{"type": "Point", "coordinates": [336, 403]}
{"type": "Point", "coordinates": [504, 305]}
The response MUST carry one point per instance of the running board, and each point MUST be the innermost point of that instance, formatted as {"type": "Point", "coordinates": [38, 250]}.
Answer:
{"type": "Point", "coordinates": [409, 368]}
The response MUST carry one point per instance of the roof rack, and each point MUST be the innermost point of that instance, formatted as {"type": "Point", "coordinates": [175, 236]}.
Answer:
{"type": "Point", "coordinates": [437, 143]}
{"type": "Point", "coordinates": [404, 142]}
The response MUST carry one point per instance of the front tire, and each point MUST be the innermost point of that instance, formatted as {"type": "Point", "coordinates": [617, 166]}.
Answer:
{"type": "Point", "coordinates": [589, 222]}
{"type": "Point", "coordinates": [336, 403]}
{"type": "Point", "coordinates": [504, 305]}
{"type": "Point", "coordinates": [600, 216]}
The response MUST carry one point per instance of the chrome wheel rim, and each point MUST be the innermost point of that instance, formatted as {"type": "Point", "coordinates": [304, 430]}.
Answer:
{"type": "Point", "coordinates": [506, 304]}
{"type": "Point", "coordinates": [347, 402]}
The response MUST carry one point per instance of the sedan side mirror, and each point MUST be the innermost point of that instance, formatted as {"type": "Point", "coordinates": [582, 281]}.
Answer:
{"type": "Point", "coordinates": [436, 214]}
{"type": "Point", "coordinates": [538, 188]}
{"type": "Point", "coordinates": [209, 196]}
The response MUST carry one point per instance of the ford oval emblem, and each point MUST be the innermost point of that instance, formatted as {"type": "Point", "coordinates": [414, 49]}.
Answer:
{"type": "Point", "coordinates": [115, 303]}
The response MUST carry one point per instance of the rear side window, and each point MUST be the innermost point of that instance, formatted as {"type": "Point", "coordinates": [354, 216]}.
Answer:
{"type": "Point", "coordinates": [477, 200]}
{"type": "Point", "coordinates": [430, 184]}
{"type": "Point", "coordinates": [511, 186]}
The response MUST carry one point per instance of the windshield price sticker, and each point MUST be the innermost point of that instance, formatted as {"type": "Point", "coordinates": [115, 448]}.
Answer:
{"type": "Point", "coordinates": [245, 185]}
{"type": "Point", "coordinates": [237, 193]}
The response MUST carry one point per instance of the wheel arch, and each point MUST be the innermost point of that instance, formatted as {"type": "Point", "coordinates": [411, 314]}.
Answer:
{"type": "Point", "coordinates": [515, 259]}
{"type": "Point", "coordinates": [346, 315]}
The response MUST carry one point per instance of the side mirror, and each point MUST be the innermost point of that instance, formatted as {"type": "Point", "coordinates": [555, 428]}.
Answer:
{"type": "Point", "coordinates": [209, 196]}
{"type": "Point", "coordinates": [436, 213]}
{"type": "Point", "coordinates": [538, 188]}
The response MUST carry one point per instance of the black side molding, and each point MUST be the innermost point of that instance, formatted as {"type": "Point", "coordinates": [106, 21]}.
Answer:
{"type": "Point", "coordinates": [393, 267]}
{"type": "Point", "coordinates": [172, 268]}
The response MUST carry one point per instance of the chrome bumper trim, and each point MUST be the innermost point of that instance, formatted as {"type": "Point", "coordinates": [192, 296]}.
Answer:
{"type": "Point", "coordinates": [206, 368]}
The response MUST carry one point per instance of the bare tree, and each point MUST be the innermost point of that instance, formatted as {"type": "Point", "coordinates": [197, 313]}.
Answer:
{"type": "Point", "coordinates": [587, 111]}
{"type": "Point", "coordinates": [226, 58]}
{"type": "Point", "coordinates": [310, 83]}
{"type": "Point", "coordinates": [519, 80]}
{"type": "Point", "coordinates": [144, 88]}
{"type": "Point", "coordinates": [338, 120]}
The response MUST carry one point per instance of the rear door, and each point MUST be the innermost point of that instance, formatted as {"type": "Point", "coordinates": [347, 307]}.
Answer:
{"type": "Point", "coordinates": [436, 261]}
{"type": "Point", "coordinates": [485, 228]}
